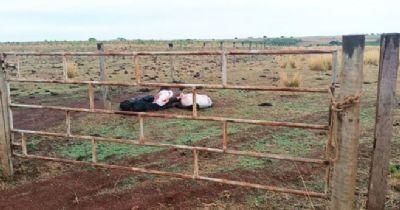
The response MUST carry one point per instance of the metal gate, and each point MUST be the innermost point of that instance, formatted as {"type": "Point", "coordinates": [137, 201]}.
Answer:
{"type": "Point", "coordinates": [141, 140]}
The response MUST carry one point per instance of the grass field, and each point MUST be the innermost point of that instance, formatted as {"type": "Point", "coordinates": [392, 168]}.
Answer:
{"type": "Point", "coordinates": [122, 189]}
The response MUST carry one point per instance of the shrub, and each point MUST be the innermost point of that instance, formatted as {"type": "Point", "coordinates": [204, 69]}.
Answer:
{"type": "Point", "coordinates": [371, 58]}
{"type": "Point", "coordinates": [71, 70]}
{"type": "Point", "coordinates": [320, 63]}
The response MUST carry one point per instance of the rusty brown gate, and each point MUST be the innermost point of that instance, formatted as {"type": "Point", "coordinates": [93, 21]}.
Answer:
{"type": "Point", "coordinates": [141, 140]}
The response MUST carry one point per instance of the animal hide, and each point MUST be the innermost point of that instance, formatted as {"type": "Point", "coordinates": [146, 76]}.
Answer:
{"type": "Point", "coordinates": [144, 104]}
{"type": "Point", "coordinates": [166, 95]}
{"type": "Point", "coordinates": [202, 101]}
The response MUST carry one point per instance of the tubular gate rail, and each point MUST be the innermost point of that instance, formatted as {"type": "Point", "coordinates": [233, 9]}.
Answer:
{"type": "Point", "coordinates": [194, 116]}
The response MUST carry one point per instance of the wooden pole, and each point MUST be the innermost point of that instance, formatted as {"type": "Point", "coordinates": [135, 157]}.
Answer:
{"type": "Point", "coordinates": [388, 66]}
{"type": "Point", "coordinates": [224, 73]}
{"type": "Point", "coordinates": [234, 56]}
{"type": "Point", "coordinates": [103, 77]}
{"type": "Point", "coordinates": [5, 133]}
{"type": "Point", "coordinates": [172, 62]}
{"type": "Point", "coordinates": [348, 125]}
{"type": "Point", "coordinates": [250, 47]}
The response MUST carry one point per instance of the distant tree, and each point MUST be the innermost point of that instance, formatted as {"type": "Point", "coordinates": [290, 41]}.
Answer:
{"type": "Point", "coordinates": [121, 39]}
{"type": "Point", "coordinates": [92, 39]}
{"type": "Point", "coordinates": [264, 37]}
{"type": "Point", "coordinates": [336, 43]}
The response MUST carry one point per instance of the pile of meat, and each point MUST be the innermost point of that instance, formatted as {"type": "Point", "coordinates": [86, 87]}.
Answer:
{"type": "Point", "coordinates": [164, 99]}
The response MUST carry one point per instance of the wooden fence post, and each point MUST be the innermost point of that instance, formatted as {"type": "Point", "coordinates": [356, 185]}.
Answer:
{"type": "Point", "coordinates": [172, 62]}
{"type": "Point", "coordinates": [5, 133]}
{"type": "Point", "coordinates": [103, 77]}
{"type": "Point", "coordinates": [234, 56]}
{"type": "Point", "coordinates": [348, 125]}
{"type": "Point", "coordinates": [388, 65]}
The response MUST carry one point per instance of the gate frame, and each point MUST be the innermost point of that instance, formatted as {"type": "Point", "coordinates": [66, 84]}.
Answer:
{"type": "Point", "coordinates": [351, 84]}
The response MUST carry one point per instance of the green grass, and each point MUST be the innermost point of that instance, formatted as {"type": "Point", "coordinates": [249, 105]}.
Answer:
{"type": "Point", "coordinates": [248, 163]}
{"type": "Point", "coordinates": [83, 150]}
{"type": "Point", "coordinates": [110, 127]}
{"type": "Point", "coordinates": [180, 131]}
{"type": "Point", "coordinates": [367, 116]}
{"type": "Point", "coordinates": [394, 170]}
{"type": "Point", "coordinates": [296, 142]}
{"type": "Point", "coordinates": [33, 141]}
{"type": "Point", "coordinates": [291, 141]}
{"type": "Point", "coordinates": [45, 90]}
{"type": "Point", "coordinates": [303, 106]}
{"type": "Point", "coordinates": [184, 132]}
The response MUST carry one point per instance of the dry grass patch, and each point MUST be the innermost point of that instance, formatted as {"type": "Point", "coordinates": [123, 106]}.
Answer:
{"type": "Point", "coordinates": [320, 63]}
{"type": "Point", "coordinates": [286, 81]}
{"type": "Point", "coordinates": [371, 57]}
{"type": "Point", "coordinates": [291, 61]}
{"type": "Point", "coordinates": [71, 70]}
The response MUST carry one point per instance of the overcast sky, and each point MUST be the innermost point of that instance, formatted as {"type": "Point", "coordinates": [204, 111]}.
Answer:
{"type": "Point", "coordinates": [33, 20]}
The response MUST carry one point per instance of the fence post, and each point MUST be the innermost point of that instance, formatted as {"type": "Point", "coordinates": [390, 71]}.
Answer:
{"type": "Point", "coordinates": [234, 56]}
{"type": "Point", "coordinates": [172, 62]}
{"type": "Point", "coordinates": [348, 125]}
{"type": "Point", "coordinates": [5, 144]}
{"type": "Point", "coordinates": [388, 65]}
{"type": "Point", "coordinates": [104, 88]}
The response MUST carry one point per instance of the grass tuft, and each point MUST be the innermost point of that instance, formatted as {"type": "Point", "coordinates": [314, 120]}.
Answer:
{"type": "Point", "coordinates": [371, 58]}
{"type": "Point", "coordinates": [290, 61]}
{"type": "Point", "coordinates": [294, 81]}
{"type": "Point", "coordinates": [71, 70]}
{"type": "Point", "coordinates": [320, 63]}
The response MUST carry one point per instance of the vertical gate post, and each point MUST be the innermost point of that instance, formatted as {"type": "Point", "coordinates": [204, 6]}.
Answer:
{"type": "Point", "coordinates": [104, 88]}
{"type": "Point", "coordinates": [348, 125]}
{"type": "Point", "coordinates": [388, 65]}
{"type": "Point", "coordinates": [5, 144]}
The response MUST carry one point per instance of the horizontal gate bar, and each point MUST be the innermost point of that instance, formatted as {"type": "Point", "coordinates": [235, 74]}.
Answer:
{"type": "Point", "coordinates": [180, 175]}
{"type": "Point", "coordinates": [174, 116]}
{"type": "Point", "coordinates": [155, 144]}
{"type": "Point", "coordinates": [161, 53]}
{"type": "Point", "coordinates": [172, 85]}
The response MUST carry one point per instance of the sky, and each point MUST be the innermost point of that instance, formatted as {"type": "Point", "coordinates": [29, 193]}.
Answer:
{"type": "Point", "coordinates": [38, 20]}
